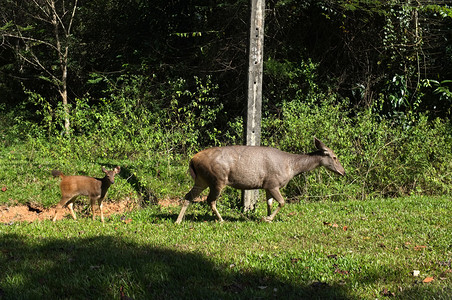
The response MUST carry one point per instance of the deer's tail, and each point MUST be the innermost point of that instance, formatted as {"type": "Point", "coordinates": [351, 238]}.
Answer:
{"type": "Point", "coordinates": [192, 170]}
{"type": "Point", "coordinates": [56, 173]}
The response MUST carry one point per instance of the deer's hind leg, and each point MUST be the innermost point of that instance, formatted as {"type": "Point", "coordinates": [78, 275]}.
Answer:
{"type": "Point", "coordinates": [195, 191]}
{"type": "Point", "coordinates": [214, 193]}
{"type": "Point", "coordinates": [93, 209]}
{"type": "Point", "coordinates": [65, 201]}
{"type": "Point", "coordinates": [71, 209]}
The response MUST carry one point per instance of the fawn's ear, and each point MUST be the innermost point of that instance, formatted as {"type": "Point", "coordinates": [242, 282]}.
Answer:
{"type": "Point", "coordinates": [117, 169]}
{"type": "Point", "coordinates": [104, 170]}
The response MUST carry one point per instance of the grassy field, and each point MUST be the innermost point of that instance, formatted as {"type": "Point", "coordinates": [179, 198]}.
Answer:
{"type": "Point", "coordinates": [316, 250]}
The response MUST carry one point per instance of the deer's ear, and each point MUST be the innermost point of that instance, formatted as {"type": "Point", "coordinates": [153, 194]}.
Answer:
{"type": "Point", "coordinates": [104, 170]}
{"type": "Point", "coordinates": [319, 145]}
{"type": "Point", "coordinates": [117, 169]}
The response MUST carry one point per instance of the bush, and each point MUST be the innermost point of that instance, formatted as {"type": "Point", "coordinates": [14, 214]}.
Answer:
{"type": "Point", "coordinates": [380, 157]}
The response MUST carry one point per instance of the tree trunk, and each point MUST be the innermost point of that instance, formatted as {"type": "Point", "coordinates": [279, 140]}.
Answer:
{"type": "Point", "coordinates": [63, 57]}
{"type": "Point", "coordinates": [63, 93]}
{"type": "Point", "coordinates": [255, 73]}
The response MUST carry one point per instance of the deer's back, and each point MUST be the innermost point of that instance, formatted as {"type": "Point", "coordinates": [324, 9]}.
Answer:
{"type": "Point", "coordinates": [80, 185]}
{"type": "Point", "coordinates": [244, 167]}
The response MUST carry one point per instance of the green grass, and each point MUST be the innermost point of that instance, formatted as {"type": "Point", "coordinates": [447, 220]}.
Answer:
{"type": "Point", "coordinates": [306, 253]}
{"type": "Point", "coordinates": [344, 249]}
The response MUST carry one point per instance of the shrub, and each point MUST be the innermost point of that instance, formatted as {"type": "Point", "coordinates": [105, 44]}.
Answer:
{"type": "Point", "coordinates": [380, 157]}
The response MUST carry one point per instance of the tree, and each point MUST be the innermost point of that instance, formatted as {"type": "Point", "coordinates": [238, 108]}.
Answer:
{"type": "Point", "coordinates": [367, 51]}
{"type": "Point", "coordinates": [255, 70]}
{"type": "Point", "coordinates": [39, 32]}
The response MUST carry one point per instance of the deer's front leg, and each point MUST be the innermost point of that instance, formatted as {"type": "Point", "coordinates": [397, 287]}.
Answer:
{"type": "Point", "coordinates": [274, 193]}
{"type": "Point", "coordinates": [101, 209]}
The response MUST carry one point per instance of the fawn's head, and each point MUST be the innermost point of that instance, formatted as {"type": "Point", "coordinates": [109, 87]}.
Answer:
{"type": "Point", "coordinates": [111, 174]}
{"type": "Point", "coordinates": [329, 159]}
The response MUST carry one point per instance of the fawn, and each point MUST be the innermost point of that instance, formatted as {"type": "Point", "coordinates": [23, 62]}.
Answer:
{"type": "Point", "coordinates": [95, 188]}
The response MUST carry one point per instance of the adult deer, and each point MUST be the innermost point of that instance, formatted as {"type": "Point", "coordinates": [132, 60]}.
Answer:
{"type": "Point", "coordinates": [253, 167]}
{"type": "Point", "coordinates": [95, 188]}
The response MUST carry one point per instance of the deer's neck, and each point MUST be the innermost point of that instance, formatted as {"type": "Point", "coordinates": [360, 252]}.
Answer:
{"type": "Point", "coordinates": [105, 184]}
{"type": "Point", "coordinates": [306, 162]}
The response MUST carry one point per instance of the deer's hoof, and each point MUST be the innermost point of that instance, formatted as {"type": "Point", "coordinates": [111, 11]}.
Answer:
{"type": "Point", "coordinates": [266, 219]}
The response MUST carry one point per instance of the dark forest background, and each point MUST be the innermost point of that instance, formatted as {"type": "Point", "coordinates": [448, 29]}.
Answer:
{"type": "Point", "coordinates": [396, 52]}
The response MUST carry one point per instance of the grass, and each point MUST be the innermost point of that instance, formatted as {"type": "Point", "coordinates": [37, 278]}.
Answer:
{"type": "Point", "coordinates": [26, 176]}
{"type": "Point", "coordinates": [344, 249]}
{"type": "Point", "coordinates": [320, 250]}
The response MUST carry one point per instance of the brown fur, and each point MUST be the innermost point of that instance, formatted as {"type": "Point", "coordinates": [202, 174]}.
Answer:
{"type": "Point", "coordinates": [94, 188]}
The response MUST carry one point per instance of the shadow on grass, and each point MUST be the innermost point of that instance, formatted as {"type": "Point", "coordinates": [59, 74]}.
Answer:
{"type": "Point", "coordinates": [96, 268]}
{"type": "Point", "coordinates": [99, 267]}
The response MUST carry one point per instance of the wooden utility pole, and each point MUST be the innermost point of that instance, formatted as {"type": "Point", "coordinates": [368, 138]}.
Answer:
{"type": "Point", "coordinates": [255, 73]}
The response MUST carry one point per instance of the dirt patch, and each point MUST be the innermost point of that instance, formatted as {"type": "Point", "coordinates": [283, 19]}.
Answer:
{"type": "Point", "coordinates": [32, 212]}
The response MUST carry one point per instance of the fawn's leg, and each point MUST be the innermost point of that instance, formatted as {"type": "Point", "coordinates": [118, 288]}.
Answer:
{"type": "Point", "coordinates": [64, 200]}
{"type": "Point", "coordinates": [99, 201]}
{"type": "Point", "coordinates": [93, 202]}
{"type": "Point", "coordinates": [71, 208]}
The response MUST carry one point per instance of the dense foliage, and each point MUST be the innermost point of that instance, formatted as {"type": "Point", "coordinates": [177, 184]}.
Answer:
{"type": "Point", "coordinates": [159, 80]}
